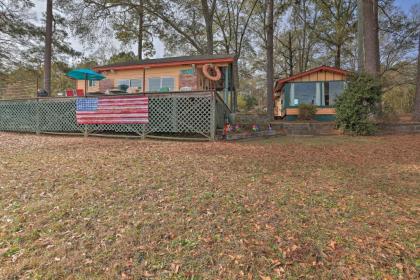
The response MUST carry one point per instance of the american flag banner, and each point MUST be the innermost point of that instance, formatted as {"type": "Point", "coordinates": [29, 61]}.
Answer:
{"type": "Point", "coordinates": [113, 110]}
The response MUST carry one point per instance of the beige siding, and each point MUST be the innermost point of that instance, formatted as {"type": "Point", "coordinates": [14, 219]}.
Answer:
{"type": "Point", "coordinates": [81, 85]}
{"type": "Point", "coordinates": [167, 71]}
{"type": "Point", "coordinates": [321, 76]}
{"type": "Point", "coordinates": [320, 111]}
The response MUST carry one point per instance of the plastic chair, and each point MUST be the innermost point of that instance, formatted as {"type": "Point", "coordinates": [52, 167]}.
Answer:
{"type": "Point", "coordinates": [69, 92]}
{"type": "Point", "coordinates": [80, 92]}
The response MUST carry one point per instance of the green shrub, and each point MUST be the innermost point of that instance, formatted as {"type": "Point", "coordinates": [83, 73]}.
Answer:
{"type": "Point", "coordinates": [307, 111]}
{"type": "Point", "coordinates": [246, 102]}
{"type": "Point", "coordinates": [357, 106]}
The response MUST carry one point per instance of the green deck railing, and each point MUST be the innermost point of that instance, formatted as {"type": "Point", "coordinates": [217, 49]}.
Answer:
{"type": "Point", "coordinates": [195, 114]}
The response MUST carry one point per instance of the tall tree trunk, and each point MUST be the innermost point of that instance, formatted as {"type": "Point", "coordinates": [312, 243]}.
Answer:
{"type": "Point", "coordinates": [48, 47]}
{"type": "Point", "coordinates": [290, 55]}
{"type": "Point", "coordinates": [417, 97]}
{"type": "Point", "coordinates": [337, 60]}
{"type": "Point", "coordinates": [371, 37]}
{"type": "Point", "coordinates": [140, 31]}
{"type": "Point", "coordinates": [360, 35]}
{"type": "Point", "coordinates": [208, 13]}
{"type": "Point", "coordinates": [270, 59]}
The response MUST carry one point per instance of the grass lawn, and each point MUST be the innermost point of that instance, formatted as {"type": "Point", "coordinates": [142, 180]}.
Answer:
{"type": "Point", "coordinates": [282, 208]}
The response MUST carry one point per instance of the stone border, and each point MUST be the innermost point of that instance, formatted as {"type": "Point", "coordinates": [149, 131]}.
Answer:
{"type": "Point", "coordinates": [398, 128]}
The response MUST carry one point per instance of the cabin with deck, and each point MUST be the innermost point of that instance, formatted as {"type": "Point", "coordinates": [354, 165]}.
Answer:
{"type": "Point", "coordinates": [178, 75]}
{"type": "Point", "coordinates": [319, 86]}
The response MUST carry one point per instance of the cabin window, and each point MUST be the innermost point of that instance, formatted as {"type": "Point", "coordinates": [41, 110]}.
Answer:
{"type": "Point", "coordinates": [336, 88]}
{"type": "Point", "coordinates": [161, 84]}
{"type": "Point", "coordinates": [154, 84]}
{"type": "Point", "coordinates": [92, 83]}
{"type": "Point", "coordinates": [136, 83]}
{"type": "Point", "coordinates": [326, 93]}
{"type": "Point", "coordinates": [304, 93]}
{"type": "Point", "coordinates": [123, 82]}
{"type": "Point", "coordinates": [168, 83]}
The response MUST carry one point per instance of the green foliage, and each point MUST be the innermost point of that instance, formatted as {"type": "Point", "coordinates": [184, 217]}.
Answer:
{"type": "Point", "coordinates": [307, 111]}
{"type": "Point", "coordinates": [388, 113]}
{"type": "Point", "coordinates": [400, 99]}
{"type": "Point", "coordinates": [246, 102]}
{"type": "Point", "coordinates": [241, 102]}
{"type": "Point", "coordinates": [122, 57]}
{"type": "Point", "coordinates": [22, 38]}
{"type": "Point", "coordinates": [358, 104]}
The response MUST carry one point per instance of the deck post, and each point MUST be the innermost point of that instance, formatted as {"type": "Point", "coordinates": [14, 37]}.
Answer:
{"type": "Point", "coordinates": [38, 119]}
{"type": "Point", "coordinates": [213, 116]}
{"type": "Point", "coordinates": [143, 131]}
{"type": "Point", "coordinates": [226, 89]}
{"type": "Point", "coordinates": [174, 113]}
{"type": "Point", "coordinates": [85, 132]}
{"type": "Point", "coordinates": [144, 81]}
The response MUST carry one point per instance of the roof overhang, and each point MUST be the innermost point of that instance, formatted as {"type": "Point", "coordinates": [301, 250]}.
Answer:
{"type": "Point", "coordinates": [165, 64]}
{"type": "Point", "coordinates": [281, 82]}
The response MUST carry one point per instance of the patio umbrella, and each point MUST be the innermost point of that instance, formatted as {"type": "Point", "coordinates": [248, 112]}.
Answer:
{"type": "Point", "coordinates": [86, 75]}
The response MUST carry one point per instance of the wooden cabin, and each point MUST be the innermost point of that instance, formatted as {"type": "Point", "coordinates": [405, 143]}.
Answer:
{"type": "Point", "coordinates": [319, 86]}
{"type": "Point", "coordinates": [167, 75]}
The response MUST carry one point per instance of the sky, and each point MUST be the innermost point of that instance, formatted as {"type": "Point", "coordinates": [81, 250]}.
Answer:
{"type": "Point", "coordinates": [405, 5]}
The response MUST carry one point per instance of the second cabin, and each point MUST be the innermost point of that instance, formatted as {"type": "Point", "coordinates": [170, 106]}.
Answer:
{"type": "Point", "coordinates": [319, 86]}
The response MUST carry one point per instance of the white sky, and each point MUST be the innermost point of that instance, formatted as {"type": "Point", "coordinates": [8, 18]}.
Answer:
{"type": "Point", "coordinates": [40, 6]}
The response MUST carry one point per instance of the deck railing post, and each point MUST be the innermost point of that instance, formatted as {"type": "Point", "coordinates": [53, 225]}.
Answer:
{"type": "Point", "coordinates": [174, 114]}
{"type": "Point", "coordinates": [37, 118]}
{"type": "Point", "coordinates": [85, 132]}
{"type": "Point", "coordinates": [143, 131]}
{"type": "Point", "coordinates": [212, 116]}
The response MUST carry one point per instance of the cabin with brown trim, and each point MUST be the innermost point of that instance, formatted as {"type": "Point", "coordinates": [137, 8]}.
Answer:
{"type": "Point", "coordinates": [319, 86]}
{"type": "Point", "coordinates": [168, 75]}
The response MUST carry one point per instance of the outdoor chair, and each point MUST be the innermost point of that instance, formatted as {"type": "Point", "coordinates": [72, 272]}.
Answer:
{"type": "Point", "coordinates": [69, 92]}
{"type": "Point", "coordinates": [80, 92]}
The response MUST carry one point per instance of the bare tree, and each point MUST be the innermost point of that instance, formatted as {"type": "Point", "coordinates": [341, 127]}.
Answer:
{"type": "Point", "coordinates": [232, 18]}
{"type": "Point", "coordinates": [304, 15]}
{"type": "Point", "coordinates": [336, 26]}
{"type": "Point", "coordinates": [185, 21]}
{"type": "Point", "coordinates": [208, 14]}
{"type": "Point", "coordinates": [289, 52]}
{"type": "Point", "coordinates": [48, 47]}
{"type": "Point", "coordinates": [417, 97]}
{"type": "Point", "coordinates": [270, 58]}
